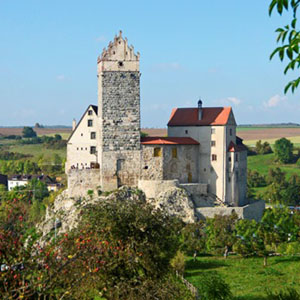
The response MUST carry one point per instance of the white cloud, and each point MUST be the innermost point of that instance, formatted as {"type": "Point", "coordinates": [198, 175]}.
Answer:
{"type": "Point", "coordinates": [173, 66]}
{"type": "Point", "coordinates": [229, 101]}
{"type": "Point", "coordinates": [233, 100]}
{"type": "Point", "coordinates": [274, 101]}
{"type": "Point", "coordinates": [60, 77]}
{"type": "Point", "coordinates": [101, 38]}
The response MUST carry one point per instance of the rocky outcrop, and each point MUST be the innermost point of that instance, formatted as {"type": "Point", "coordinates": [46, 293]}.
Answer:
{"type": "Point", "coordinates": [176, 202]}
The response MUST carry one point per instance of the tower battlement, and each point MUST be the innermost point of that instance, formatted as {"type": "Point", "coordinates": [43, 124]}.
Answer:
{"type": "Point", "coordinates": [118, 56]}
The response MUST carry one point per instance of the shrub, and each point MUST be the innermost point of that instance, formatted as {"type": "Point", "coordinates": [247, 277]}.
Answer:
{"type": "Point", "coordinates": [28, 132]}
{"type": "Point", "coordinates": [178, 263]}
{"type": "Point", "coordinates": [289, 294]}
{"type": "Point", "coordinates": [212, 287]}
{"type": "Point", "coordinates": [283, 149]}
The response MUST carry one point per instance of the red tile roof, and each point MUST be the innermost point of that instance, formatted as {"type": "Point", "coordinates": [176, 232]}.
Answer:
{"type": "Point", "coordinates": [189, 116]}
{"type": "Point", "coordinates": [236, 148]}
{"type": "Point", "coordinates": [158, 140]}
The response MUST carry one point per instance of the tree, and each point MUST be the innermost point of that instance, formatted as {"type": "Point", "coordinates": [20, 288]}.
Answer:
{"type": "Point", "coordinates": [289, 38]}
{"type": "Point", "coordinates": [263, 148]}
{"type": "Point", "coordinates": [283, 149]}
{"type": "Point", "coordinates": [220, 237]}
{"type": "Point", "coordinates": [28, 132]}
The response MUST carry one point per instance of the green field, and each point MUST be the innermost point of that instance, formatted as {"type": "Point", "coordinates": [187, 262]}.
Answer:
{"type": "Point", "coordinates": [37, 150]}
{"type": "Point", "coordinates": [262, 164]}
{"type": "Point", "coordinates": [247, 277]}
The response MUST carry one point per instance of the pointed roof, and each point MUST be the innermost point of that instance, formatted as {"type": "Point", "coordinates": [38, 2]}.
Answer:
{"type": "Point", "coordinates": [238, 147]}
{"type": "Point", "coordinates": [210, 116]}
{"type": "Point", "coordinates": [158, 140]}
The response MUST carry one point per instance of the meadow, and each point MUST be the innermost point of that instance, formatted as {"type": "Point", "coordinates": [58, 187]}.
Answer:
{"type": "Point", "coordinates": [247, 277]}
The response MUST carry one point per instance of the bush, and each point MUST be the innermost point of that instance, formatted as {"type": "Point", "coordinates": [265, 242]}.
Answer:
{"type": "Point", "coordinates": [28, 132]}
{"type": "Point", "coordinates": [178, 262]}
{"type": "Point", "coordinates": [254, 179]}
{"type": "Point", "coordinates": [283, 149]}
{"type": "Point", "coordinates": [212, 287]}
{"type": "Point", "coordinates": [263, 148]}
{"type": "Point", "coordinates": [289, 294]}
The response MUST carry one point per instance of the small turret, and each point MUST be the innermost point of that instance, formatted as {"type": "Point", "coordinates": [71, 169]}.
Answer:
{"type": "Point", "coordinates": [200, 109]}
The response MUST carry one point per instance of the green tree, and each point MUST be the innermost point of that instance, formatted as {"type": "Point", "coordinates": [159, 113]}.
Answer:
{"type": "Point", "coordinates": [28, 132]}
{"type": "Point", "coordinates": [283, 149]}
{"type": "Point", "coordinates": [289, 39]}
{"type": "Point", "coordinates": [219, 230]}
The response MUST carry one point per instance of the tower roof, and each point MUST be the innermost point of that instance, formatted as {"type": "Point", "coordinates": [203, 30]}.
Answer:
{"type": "Point", "coordinates": [119, 50]}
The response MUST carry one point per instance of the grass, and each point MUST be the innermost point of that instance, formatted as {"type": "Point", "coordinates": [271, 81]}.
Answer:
{"type": "Point", "coordinates": [36, 150]}
{"type": "Point", "coordinates": [262, 164]}
{"type": "Point", "coordinates": [247, 277]}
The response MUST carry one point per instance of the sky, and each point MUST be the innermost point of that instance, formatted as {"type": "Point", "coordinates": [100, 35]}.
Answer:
{"type": "Point", "coordinates": [215, 50]}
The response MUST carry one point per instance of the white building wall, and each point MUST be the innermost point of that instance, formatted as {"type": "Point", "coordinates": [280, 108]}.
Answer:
{"type": "Point", "coordinates": [80, 143]}
{"type": "Point", "coordinates": [14, 183]}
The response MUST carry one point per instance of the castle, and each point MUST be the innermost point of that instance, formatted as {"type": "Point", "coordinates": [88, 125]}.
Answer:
{"type": "Point", "coordinates": [201, 153]}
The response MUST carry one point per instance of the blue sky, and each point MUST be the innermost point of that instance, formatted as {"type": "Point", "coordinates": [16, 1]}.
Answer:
{"type": "Point", "coordinates": [217, 50]}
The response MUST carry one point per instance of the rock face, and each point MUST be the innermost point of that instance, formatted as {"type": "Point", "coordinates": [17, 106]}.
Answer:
{"type": "Point", "coordinates": [65, 212]}
{"type": "Point", "coordinates": [176, 202]}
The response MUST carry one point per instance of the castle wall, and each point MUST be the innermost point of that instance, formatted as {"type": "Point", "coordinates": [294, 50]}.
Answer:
{"type": "Point", "coordinates": [167, 166]}
{"type": "Point", "coordinates": [80, 181]}
{"type": "Point", "coordinates": [250, 211]}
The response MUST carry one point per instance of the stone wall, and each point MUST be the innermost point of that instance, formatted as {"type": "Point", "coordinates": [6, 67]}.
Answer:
{"type": "Point", "coordinates": [152, 188]}
{"type": "Point", "coordinates": [120, 111]}
{"type": "Point", "coordinates": [251, 211]}
{"type": "Point", "coordinates": [120, 168]}
{"type": "Point", "coordinates": [80, 181]}
{"type": "Point", "coordinates": [183, 167]}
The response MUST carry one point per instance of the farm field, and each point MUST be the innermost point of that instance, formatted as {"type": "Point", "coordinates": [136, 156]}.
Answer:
{"type": "Point", "coordinates": [64, 132]}
{"type": "Point", "coordinates": [247, 277]}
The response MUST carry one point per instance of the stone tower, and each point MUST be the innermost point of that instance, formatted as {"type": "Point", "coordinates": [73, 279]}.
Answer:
{"type": "Point", "coordinates": [119, 114]}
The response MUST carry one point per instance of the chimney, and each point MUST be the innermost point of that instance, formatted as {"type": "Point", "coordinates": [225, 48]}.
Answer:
{"type": "Point", "coordinates": [199, 109]}
{"type": "Point", "coordinates": [73, 124]}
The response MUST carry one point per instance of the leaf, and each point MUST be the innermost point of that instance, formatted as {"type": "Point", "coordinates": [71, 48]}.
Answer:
{"type": "Point", "coordinates": [294, 23]}
{"type": "Point", "coordinates": [272, 5]}
{"type": "Point", "coordinates": [289, 53]}
{"type": "Point", "coordinates": [281, 53]}
{"type": "Point", "coordinates": [274, 52]}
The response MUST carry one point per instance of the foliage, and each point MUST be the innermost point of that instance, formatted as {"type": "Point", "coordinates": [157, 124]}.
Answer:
{"type": "Point", "coordinates": [283, 150]}
{"type": "Point", "coordinates": [263, 148]}
{"type": "Point", "coordinates": [254, 179]}
{"type": "Point", "coordinates": [143, 134]}
{"type": "Point", "coordinates": [19, 167]}
{"type": "Point", "coordinates": [288, 294]}
{"type": "Point", "coordinates": [289, 37]}
{"type": "Point", "coordinates": [28, 132]}
{"type": "Point", "coordinates": [211, 286]}
{"type": "Point", "coordinates": [193, 238]}
{"type": "Point", "coordinates": [178, 262]}
{"type": "Point", "coordinates": [6, 155]}
{"type": "Point", "coordinates": [219, 230]}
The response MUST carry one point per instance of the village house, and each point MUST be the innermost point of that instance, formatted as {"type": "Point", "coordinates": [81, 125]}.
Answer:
{"type": "Point", "coordinates": [105, 150]}
{"type": "Point", "coordinates": [22, 180]}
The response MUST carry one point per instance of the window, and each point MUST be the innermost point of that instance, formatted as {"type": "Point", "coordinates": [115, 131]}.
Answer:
{"type": "Point", "coordinates": [229, 158]}
{"type": "Point", "coordinates": [230, 131]}
{"type": "Point", "coordinates": [90, 123]}
{"type": "Point", "coordinates": [157, 152]}
{"type": "Point", "coordinates": [82, 134]}
{"type": "Point", "coordinates": [93, 150]}
{"type": "Point", "coordinates": [236, 157]}
{"type": "Point", "coordinates": [90, 112]}
{"type": "Point", "coordinates": [214, 157]}
{"type": "Point", "coordinates": [186, 132]}
{"type": "Point", "coordinates": [174, 153]}
{"type": "Point", "coordinates": [213, 130]}
{"type": "Point", "coordinates": [120, 64]}
{"type": "Point", "coordinates": [213, 143]}
{"type": "Point", "coordinates": [229, 178]}
{"type": "Point", "coordinates": [93, 135]}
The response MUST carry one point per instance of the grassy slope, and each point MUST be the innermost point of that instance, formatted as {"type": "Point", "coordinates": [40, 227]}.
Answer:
{"type": "Point", "coordinates": [248, 278]}
{"type": "Point", "coordinates": [262, 163]}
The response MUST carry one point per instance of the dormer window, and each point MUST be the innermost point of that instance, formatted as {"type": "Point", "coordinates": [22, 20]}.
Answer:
{"type": "Point", "coordinates": [90, 112]}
